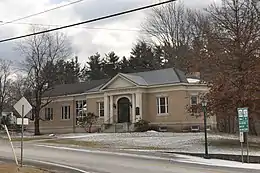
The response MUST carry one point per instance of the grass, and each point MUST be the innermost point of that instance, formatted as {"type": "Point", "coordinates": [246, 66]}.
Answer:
{"type": "Point", "coordinates": [232, 143]}
{"type": "Point", "coordinates": [14, 169]}
{"type": "Point", "coordinates": [146, 148]}
{"type": "Point", "coordinates": [29, 139]}
{"type": "Point", "coordinates": [89, 144]}
{"type": "Point", "coordinates": [92, 144]}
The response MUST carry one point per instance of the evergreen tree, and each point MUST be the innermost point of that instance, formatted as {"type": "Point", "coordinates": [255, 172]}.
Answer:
{"type": "Point", "coordinates": [125, 66]}
{"type": "Point", "coordinates": [72, 72]}
{"type": "Point", "coordinates": [93, 70]}
{"type": "Point", "coordinates": [63, 72]}
{"type": "Point", "coordinates": [111, 64]}
{"type": "Point", "coordinates": [145, 58]}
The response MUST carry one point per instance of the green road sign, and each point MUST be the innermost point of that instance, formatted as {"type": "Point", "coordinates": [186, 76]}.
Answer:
{"type": "Point", "coordinates": [243, 119]}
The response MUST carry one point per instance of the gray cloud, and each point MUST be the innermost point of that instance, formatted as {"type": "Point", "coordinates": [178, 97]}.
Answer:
{"type": "Point", "coordinates": [84, 41]}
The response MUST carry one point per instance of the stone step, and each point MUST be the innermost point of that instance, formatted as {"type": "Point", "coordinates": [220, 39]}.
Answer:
{"type": "Point", "coordinates": [118, 128]}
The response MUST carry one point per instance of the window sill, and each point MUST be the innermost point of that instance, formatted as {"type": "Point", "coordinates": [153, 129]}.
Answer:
{"type": "Point", "coordinates": [65, 119]}
{"type": "Point", "coordinates": [162, 115]}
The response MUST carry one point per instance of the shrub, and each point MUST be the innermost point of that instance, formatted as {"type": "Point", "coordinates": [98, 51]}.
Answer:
{"type": "Point", "coordinates": [142, 126]}
{"type": "Point", "coordinates": [88, 120]}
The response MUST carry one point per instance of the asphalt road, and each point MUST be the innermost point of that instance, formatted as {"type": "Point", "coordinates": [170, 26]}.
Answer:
{"type": "Point", "coordinates": [109, 163]}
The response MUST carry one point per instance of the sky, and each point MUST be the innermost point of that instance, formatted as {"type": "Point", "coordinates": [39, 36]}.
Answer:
{"type": "Point", "coordinates": [118, 34]}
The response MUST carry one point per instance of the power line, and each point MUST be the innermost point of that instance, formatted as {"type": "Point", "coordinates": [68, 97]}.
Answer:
{"type": "Point", "coordinates": [83, 27]}
{"type": "Point", "coordinates": [89, 21]}
{"type": "Point", "coordinates": [35, 14]}
{"type": "Point", "coordinates": [92, 28]}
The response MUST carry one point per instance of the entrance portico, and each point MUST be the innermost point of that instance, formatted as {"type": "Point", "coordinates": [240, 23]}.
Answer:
{"type": "Point", "coordinates": [122, 107]}
{"type": "Point", "coordinates": [122, 100]}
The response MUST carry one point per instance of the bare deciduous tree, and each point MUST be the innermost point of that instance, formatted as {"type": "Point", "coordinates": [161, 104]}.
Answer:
{"type": "Point", "coordinates": [18, 88]}
{"type": "Point", "coordinates": [231, 46]}
{"type": "Point", "coordinates": [5, 81]}
{"type": "Point", "coordinates": [41, 51]}
{"type": "Point", "coordinates": [170, 25]}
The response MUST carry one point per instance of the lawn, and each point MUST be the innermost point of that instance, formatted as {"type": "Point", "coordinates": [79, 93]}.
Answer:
{"type": "Point", "coordinates": [174, 142]}
{"type": "Point", "coordinates": [5, 168]}
{"type": "Point", "coordinates": [232, 143]}
{"type": "Point", "coordinates": [90, 144]}
{"type": "Point", "coordinates": [30, 139]}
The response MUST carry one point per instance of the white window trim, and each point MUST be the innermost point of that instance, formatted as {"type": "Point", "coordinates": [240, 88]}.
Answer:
{"type": "Point", "coordinates": [158, 105]}
{"type": "Point", "coordinates": [99, 109]}
{"type": "Point", "coordinates": [80, 109]}
{"type": "Point", "coordinates": [52, 114]}
{"type": "Point", "coordinates": [62, 113]}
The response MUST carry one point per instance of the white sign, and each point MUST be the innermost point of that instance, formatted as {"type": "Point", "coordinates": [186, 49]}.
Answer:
{"type": "Point", "coordinates": [241, 135]}
{"type": "Point", "coordinates": [23, 103]}
{"type": "Point", "coordinates": [25, 121]}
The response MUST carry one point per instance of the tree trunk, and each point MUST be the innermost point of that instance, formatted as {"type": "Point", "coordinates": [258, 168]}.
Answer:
{"type": "Point", "coordinates": [37, 122]}
{"type": "Point", "coordinates": [89, 128]}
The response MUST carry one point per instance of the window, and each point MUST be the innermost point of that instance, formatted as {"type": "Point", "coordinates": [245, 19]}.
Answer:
{"type": "Point", "coordinates": [162, 105]}
{"type": "Point", "coordinates": [194, 100]}
{"type": "Point", "coordinates": [101, 109]}
{"type": "Point", "coordinates": [81, 109]}
{"type": "Point", "coordinates": [49, 114]}
{"type": "Point", "coordinates": [65, 113]}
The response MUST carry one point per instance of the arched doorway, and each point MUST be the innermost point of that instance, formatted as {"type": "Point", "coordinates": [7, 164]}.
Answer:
{"type": "Point", "coordinates": [123, 110]}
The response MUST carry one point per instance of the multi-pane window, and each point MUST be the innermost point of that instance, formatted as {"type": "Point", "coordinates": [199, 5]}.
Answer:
{"type": "Point", "coordinates": [101, 109]}
{"type": "Point", "coordinates": [81, 109]}
{"type": "Point", "coordinates": [194, 100]}
{"type": "Point", "coordinates": [162, 105]}
{"type": "Point", "coordinates": [65, 113]}
{"type": "Point", "coordinates": [48, 114]}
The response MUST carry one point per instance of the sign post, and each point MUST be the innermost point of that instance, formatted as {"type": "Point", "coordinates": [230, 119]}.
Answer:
{"type": "Point", "coordinates": [243, 128]}
{"type": "Point", "coordinates": [241, 142]}
{"type": "Point", "coordinates": [23, 107]}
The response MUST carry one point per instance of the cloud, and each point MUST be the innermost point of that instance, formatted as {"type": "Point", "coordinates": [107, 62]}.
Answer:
{"type": "Point", "coordinates": [117, 34]}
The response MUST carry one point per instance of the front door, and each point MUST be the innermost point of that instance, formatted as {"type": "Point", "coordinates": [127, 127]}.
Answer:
{"type": "Point", "coordinates": [123, 110]}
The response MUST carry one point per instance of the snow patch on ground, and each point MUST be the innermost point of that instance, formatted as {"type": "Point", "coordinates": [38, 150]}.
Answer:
{"type": "Point", "coordinates": [152, 140]}
{"type": "Point", "coordinates": [216, 162]}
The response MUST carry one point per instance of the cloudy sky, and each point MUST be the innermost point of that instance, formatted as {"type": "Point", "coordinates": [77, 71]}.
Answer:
{"type": "Point", "coordinates": [117, 34]}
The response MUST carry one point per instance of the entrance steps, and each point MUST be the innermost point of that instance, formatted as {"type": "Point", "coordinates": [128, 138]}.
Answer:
{"type": "Point", "coordinates": [118, 128]}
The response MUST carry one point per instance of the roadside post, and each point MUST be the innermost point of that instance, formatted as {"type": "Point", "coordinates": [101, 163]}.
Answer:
{"type": "Point", "coordinates": [23, 107]}
{"type": "Point", "coordinates": [243, 130]}
{"type": "Point", "coordinates": [11, 143]}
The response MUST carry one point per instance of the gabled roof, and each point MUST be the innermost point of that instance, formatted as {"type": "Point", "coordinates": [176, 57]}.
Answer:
{"type": "Point", "coordinates": [135, 78]}
{"type": "Point", "coordinates": [158, 77]}
{"type": "Point", "coordinates": [155, 77]}
{"type": "Point", "coordinates": [77, 88]}
{"type": "Point", "coordinates": [148, 78]}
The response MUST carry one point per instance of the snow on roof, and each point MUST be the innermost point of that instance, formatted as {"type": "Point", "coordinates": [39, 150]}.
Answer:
{"type": "Point", "coordinates": [192, 80]}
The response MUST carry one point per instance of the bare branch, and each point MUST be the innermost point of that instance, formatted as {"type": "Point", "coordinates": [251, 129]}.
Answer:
{"type": "Point", "coordinates": [41, 51]}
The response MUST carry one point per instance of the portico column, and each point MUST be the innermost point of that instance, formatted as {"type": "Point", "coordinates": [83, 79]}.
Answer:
{"type": "Point", "coordinates": [111, 112]}
{"type": "Point", "coordinates": [133, 108]}
{"type": "Point", "coordinates": [139, 103]}
{"type": "Point", "coordinates": [106, 109]}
